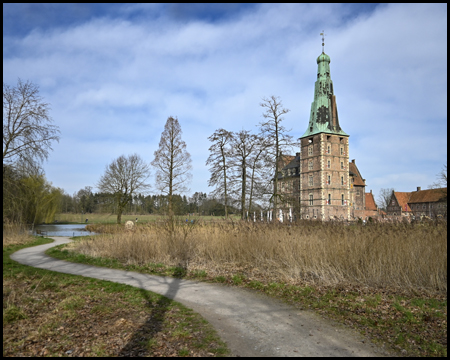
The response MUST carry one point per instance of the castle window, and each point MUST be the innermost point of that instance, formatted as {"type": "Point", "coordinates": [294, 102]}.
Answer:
{"type": "Point", "coordinates": [342, 165]}
{"type": "Point", "coordinates": [328, 164]}
{"type": "Point", "coordinates": [342, 180]}
{"type": "Point", "coordinates": [311, 200]}
{"type": "Point", "coordinates": [328, 179]}
{"type": "Point", "coordinates": [342, 199]}
{"type": "Point", "coordinates": [310, 165]}
{"type": "Point", "coordinates": [311, 181]}
{"type": "Point", "coordinates": [328, 138]}
{"type": "Point", "coordinates": [310, 150]}
{"type": "Point", "coordinates": [342, 151]}
{"type": "Point", "coordinates": [329, 199]}
{"type": "Point", "coordinates": [328, 149]}
{"type": "Point", "coordinates": [341, 140]}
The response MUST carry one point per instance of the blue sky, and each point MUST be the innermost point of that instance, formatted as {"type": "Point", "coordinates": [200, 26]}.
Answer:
{"type": "Point", "coordinates": [114, 73]}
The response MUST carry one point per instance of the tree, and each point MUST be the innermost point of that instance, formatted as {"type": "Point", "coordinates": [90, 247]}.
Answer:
{"type": "Point", "coordinates": [86, 199]}
{"type": "Point", "coordinates": [172, 163]}
{"type": "Point", "coordinates": [122, 178]}
{"type": "Point", "coordinates": [218, 161]}
{"type": "Point", "coordinates": [384, 198]}
{"type": "Point", "coordinates": [276, 135]}
{"type": "Point", "coordinates": [258, 172]}
{"type": "Point", "coordinates": [27, 129]}
{"type": "Point", "coordinates": [243, 145]}
{"type": "Point", "coordinates": [441, 179]}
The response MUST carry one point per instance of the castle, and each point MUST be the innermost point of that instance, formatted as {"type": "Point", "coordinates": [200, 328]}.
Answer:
{"type": "Point", "coordinates": [320, 182]}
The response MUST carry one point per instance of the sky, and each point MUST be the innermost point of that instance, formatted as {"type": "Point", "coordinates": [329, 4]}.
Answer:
{"type": "Point", "coordinates": [114, 73]}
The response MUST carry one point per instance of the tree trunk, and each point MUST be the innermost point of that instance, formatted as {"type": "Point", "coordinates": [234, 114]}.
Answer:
{"type": "Point", "coordinates": [244, 179]}
{"type": "Point", "coordinates": [225, 184]}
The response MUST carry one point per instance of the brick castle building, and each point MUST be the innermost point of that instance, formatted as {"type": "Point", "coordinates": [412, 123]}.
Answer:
{"type": "Point", "coordinates": [320, 182]}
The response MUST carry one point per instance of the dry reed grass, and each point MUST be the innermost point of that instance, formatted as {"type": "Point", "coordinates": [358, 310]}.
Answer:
{"type": "Point", "coordinates": [403, 256]}
{"type": "Point", "coordinates": [15, 233]}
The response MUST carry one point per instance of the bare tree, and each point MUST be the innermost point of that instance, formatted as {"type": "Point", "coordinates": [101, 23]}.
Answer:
{"type": "Point", "coordinates": [384, 198]}
{"type": "Point", "coordinates": [27, 129]}
{"type": "Point", "coordinates": [259, 176]}
{"type": "Point", "coordinates": [124, 177]}
{"type": "Point", "coordinates": [276, 135]}
{"type": "Point", "coordinates": [243, 147]}
{"type": "Point", "coordinates": [219, 163]}
{"type": "Point", "coordinates": [441, 179]}
{"type": "Point", "coordinates": [172, 163]}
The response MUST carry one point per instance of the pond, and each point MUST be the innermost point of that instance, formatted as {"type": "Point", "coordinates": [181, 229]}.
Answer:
{"type": "Point", "coordinates": [62, 230]}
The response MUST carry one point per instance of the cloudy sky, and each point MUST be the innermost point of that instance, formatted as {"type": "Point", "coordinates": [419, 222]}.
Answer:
{"type": "Point", "coordinates": [113, 74]}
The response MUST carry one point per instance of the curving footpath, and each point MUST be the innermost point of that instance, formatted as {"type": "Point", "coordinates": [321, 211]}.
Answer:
{"type": "Point", "coordinates": [251, 324]}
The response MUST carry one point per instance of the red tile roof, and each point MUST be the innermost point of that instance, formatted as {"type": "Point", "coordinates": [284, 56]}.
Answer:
{"type": "Point", "coordinates": [285, 160]}
{"type": "Point", "coordinates": [430, 195]}
{"type": "Point", "coordinates": [402, 199]}
{"type": "Point", "coordinates": [358, 178]}
{"type": "Point", "coordinates": [370, 202]}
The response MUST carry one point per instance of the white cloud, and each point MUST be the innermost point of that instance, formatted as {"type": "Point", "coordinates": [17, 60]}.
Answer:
{"type": "Point", "coordinates": [113, 82]}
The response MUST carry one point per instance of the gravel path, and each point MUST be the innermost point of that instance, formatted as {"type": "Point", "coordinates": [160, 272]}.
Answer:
{"type": "Point", "coordinates": [252, 324]}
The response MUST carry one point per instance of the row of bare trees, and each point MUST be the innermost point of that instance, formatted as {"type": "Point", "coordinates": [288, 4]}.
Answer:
{"type": "Point", "coordinates": [127, 175]}
{"type": "Point", "coordinates": [243, 165]}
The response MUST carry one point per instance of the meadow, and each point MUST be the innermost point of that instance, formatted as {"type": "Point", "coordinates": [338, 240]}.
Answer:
{"type": "Point", "coordinates": [105, 218]}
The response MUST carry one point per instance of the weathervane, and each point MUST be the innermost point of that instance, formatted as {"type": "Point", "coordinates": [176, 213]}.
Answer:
{"type": "Point", "coordinates": [323, 40]}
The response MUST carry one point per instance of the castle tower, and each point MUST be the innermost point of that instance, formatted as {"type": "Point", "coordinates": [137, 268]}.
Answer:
{"type": "Point", "coordinates": [324, 159]}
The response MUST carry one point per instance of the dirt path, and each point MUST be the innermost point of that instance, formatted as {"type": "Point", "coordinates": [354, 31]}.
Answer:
{"type": "Point", "coordinates": [250, 323]}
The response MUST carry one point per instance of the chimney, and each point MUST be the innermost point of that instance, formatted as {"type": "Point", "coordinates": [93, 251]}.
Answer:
{"type": "Point", "coordinates": [371, 191]}
{"type": "Point", "coordinates": [419, 188]}
{"type": "Point", "coordinates": [353, 161]}
{"type": "Point", "coordinates": [297, 154]}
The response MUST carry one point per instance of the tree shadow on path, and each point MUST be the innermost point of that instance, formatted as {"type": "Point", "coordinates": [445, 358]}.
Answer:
{"type": "Point", "coordinates": [139, 343]}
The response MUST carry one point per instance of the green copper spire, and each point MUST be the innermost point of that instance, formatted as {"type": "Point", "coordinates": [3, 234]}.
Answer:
{"type": "Point", "coordinates": [324, 115]}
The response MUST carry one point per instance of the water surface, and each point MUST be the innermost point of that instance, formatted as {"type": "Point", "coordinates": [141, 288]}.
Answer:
{"type": "Point", "coordinates": [62, 230]}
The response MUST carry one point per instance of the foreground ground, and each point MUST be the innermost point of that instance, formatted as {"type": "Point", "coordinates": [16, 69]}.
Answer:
{"type": "Point", "coordinates": [251, 324]}
{"type": "Point", "coordinates": [409, 322]}
{"type": "Point", "coordinates": [46, 313]}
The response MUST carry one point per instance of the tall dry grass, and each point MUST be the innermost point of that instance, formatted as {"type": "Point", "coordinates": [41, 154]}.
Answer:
{"type": "Point", "coordinates": [406, 256]}
{"type": "Point", "coordinates": [15, 233]}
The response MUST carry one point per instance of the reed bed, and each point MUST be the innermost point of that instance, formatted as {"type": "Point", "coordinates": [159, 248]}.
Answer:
{"type": "Point", "coordinates": [403, 256]}
{"type": "Point", "coordinates": [15, 233]}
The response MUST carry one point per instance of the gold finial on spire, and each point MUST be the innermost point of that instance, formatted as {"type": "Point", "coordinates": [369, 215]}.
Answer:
{"type": "Point", "coordinates": [323, 40]}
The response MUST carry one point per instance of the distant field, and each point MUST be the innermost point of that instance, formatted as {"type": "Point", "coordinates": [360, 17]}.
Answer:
{"type": "Point", "coordinates": [95, 218]}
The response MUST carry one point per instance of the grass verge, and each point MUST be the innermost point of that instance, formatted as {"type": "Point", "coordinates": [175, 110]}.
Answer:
{"type": "Point", "coordinates": [47, 313]}
{"type": "Point", "coordinates": [410, 324]}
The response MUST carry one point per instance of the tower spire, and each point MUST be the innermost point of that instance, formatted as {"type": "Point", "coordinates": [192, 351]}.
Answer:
{"type": "Point", "coordinates": [323, 41]}
{"type": "Point", "coordinates": [324, 116]}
